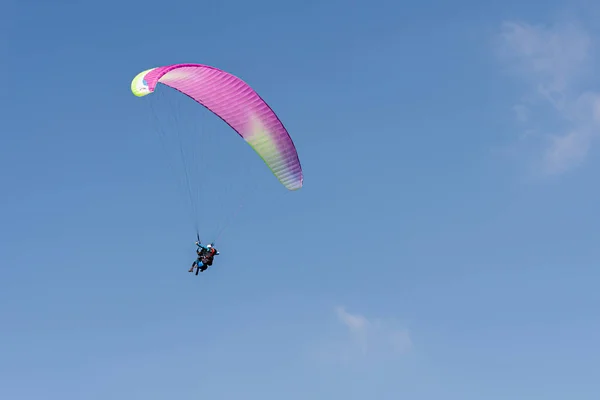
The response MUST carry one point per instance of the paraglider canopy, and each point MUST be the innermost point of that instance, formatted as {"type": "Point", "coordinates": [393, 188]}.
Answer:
{"type": "Point", "coordinates": [236, 103]}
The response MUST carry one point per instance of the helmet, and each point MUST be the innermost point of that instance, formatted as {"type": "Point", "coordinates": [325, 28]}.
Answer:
{"type": "Point", "coordinates": [209, 245]}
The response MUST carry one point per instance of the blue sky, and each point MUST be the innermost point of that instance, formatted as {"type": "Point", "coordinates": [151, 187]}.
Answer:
{"type": "Point", "coordinates": [444, 244]}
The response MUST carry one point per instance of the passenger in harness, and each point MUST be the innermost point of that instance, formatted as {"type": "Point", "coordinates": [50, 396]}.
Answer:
{"type": "Point", "coordinates": [205, 257]}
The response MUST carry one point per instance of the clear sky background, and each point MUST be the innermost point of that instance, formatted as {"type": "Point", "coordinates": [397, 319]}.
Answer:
{"type": "Point", "coordinates": [444, 246]}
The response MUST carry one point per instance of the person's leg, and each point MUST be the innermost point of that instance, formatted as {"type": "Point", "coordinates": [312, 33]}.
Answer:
{"type": "Point", "coordinates": [193, 265]}
{"type": "Point", "coordinates": [200, 267]}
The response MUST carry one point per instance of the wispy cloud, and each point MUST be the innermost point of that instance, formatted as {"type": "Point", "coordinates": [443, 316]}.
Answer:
{"type": "Point", "coordinates": [557, 108]}
{"type": "Point", "coordinates": [366, 338]}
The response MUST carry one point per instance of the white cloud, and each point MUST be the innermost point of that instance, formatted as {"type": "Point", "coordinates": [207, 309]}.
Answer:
{"type": "Point", "coordinates": [366, 338]}
{"type": "Point", "coordinates": [355, 323]}
{"type": "Point", "coordinates": [554, 61]}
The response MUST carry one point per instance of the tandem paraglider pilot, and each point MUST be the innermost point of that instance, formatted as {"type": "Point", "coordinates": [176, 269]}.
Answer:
{"type": "Point", "coordinates": [205, 257]}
